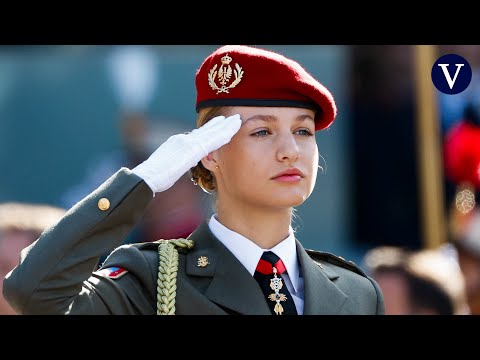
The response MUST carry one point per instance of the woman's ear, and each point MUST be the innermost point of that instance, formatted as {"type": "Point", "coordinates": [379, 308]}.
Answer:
{"type": "Point", "coordinates": [209, 161]}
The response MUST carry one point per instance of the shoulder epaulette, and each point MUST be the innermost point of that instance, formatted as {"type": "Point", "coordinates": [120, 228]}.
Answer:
{"type": "Point", "coordinates": [153, 245]}
{"type": "Point", "coordinates": [335, 260]}
{"type": "Point", "coordinates": [150, 245]}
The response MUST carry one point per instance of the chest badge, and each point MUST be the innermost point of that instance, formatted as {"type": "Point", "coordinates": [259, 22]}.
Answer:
{"type": "Point", "coordinates": [202, 261]}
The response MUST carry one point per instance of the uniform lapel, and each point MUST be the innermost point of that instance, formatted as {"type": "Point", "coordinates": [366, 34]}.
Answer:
{"type": "Point", "coordinates": [322, 297]}
{"type": "Point", "coordinates": [232, 286]}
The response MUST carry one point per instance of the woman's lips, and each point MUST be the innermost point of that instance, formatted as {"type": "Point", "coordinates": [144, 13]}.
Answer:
{"type": "Point", "coordinates": [288, 178]}
{"type": "Point", "coordinates": [289, 175]}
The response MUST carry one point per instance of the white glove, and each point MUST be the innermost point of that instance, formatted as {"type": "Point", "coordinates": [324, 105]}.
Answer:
{"type": "Point", "coordinates": [181, 152]}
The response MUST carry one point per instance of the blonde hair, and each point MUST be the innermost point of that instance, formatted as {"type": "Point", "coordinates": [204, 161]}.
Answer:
{"type": "Point", "coordinates": [200, 175]}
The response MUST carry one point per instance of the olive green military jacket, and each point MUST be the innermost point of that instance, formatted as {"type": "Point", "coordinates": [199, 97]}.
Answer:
{"type": "Point", "coordinates": [57, 273]}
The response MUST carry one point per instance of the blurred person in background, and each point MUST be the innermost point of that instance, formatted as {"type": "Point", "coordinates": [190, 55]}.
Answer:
{"type": "Point", "coordinates": [418, 282]}
{"type": "Point", "coordinates": [132, 151]}
{"type": "Point", "coordinates": [439, 286]}
{"type": "Point", "coordinates": [176, 214]}
{"type": "Point", "coordinates": [462, 172]}
{"type": "Point", "coordinates": [466, 242]}
{"type": "Point", "coordinates": [20, 225]}
{"type": "Point", "coordinates": [386, 264]}
{"type": "Point", "coordinates": [255, 150]}
{"type": "Point", "coordinates": [134, 75]}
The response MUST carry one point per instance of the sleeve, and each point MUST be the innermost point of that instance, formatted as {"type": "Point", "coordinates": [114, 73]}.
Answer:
{"type": "Point", "coordinates": [54, 275]}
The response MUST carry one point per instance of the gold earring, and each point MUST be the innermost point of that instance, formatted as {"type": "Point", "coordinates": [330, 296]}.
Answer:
{"type": "Point", "coordinates": [216, 167]}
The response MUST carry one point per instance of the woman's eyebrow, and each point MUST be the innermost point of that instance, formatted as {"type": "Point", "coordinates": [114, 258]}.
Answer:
{"type": "Point", "coordinates": [267, 118]}
{"type": "Point", "coordinates": [270, 118]}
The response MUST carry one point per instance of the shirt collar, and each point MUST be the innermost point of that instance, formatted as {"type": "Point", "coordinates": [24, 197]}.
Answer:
{"type": "Point", "coordinates": [249, 253]}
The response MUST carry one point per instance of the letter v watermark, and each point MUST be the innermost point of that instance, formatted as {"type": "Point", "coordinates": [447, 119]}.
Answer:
{"type": "Point", "coordinates": [461, 78]}
{"type": "Point", "coordinates": [450, 81]}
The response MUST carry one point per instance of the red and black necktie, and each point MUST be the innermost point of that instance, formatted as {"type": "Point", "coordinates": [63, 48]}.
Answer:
{"type": "Point", "coordinates": [269, 276]}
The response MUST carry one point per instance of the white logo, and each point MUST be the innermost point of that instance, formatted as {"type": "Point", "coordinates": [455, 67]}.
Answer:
{"type": "Point", "coordinates": [450, 81]}
{"type": "Point", "coordinates": [460, 80]}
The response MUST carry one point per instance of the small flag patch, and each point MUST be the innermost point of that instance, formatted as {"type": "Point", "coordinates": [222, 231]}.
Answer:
{"type": "Point", "coordinates": [112, 272]}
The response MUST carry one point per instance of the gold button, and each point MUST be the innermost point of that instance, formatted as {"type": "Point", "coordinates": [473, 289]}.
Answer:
{"type": "Point", "coordinates": [103, 204]}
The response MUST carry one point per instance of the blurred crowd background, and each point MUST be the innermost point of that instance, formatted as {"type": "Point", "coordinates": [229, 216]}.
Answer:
{"type": "Point", "coordinates": [399, 190]}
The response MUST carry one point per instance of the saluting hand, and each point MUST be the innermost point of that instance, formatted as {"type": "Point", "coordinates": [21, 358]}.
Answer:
{"type": "Point", "coordinates": [183, 151]}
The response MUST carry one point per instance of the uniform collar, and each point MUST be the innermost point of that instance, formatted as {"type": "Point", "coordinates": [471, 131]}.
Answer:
{"type": "Point", "coordinates": [249, 253]}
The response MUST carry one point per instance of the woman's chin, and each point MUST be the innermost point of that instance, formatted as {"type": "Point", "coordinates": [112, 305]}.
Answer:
{"type": "Point", "coordinates": [290, 201]}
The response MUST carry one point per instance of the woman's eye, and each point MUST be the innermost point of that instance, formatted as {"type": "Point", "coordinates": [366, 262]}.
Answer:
{"type": "Point", "coordinates": [304, 132]}
{"type": "Point", "coordinates": [261, 133]}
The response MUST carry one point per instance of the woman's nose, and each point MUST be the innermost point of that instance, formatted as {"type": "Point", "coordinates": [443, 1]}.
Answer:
{"type": "Point", "coordinates": [287, 148]}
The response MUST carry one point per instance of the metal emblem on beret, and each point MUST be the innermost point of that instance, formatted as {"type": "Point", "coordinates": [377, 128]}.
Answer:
{"type": "Point", "coordinates": [224, 75]}
{"type": "Point", "coordinates": [202, 261]}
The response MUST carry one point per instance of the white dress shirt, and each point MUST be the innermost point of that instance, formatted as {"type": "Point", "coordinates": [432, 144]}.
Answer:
{"type": "Point", "coordinates": [249, 253]}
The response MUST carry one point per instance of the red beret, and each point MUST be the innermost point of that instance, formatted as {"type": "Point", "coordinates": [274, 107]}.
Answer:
{"type": "Point", "coordinates": [238, 75]}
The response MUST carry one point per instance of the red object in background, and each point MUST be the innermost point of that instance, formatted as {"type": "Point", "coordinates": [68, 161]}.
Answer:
{"type": "Point", "coordinates": [462, 154]}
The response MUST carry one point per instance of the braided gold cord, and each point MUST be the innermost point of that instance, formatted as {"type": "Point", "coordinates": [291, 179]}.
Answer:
{"type": "Point", "coordinates": [167, 273]}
